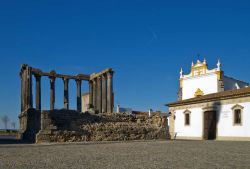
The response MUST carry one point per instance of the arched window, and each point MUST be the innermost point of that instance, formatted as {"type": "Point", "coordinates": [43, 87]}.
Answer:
{"type": "Point", "coordinates": [237, 114]}
{"type": "Point", "coordinates": [187, 115]}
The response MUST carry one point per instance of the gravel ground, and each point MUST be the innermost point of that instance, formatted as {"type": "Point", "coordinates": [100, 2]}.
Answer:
{"type": "Point", "coordinates": [127, 155]}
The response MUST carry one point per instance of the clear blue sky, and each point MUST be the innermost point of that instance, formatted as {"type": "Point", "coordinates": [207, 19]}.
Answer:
{"type": "Point", "coordinates": [145, 42]}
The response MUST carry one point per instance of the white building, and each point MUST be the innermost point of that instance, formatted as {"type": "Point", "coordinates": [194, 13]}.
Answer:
{"type": "Point", "coordinates": [210, 106]}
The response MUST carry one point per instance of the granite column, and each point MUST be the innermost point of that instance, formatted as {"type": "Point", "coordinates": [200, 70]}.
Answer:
{"type": "Point", "coordinates": [110, 92]}
{"type": "Point", "coordinates": [99, 94]}
{"type": "Point", "coordinates": [90, 94]}
{"type": "Point", "coordinates": [78, 94]}
{"type": "Point", "coordinates": [38, 92]}
{"type": "Point", "coordinates": [52, 93]}
{"type": "Point", "coordinates": [66, 93]}
{"type": "Point", "coordinates": [104, 93]}
{"type": "Point", "coordinates": [94, 94]}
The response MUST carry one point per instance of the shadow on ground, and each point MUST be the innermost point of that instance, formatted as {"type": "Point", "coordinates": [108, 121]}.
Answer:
{"type": "Point", "coordinates": [12, 140]}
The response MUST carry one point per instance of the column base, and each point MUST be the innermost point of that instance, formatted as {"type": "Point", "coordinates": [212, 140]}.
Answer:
{"type": "Point", "coordinates": [43, 136]}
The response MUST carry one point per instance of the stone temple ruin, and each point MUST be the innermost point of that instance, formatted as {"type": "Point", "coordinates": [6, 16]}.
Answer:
{"type": "Point", "coordinates": [100, 89]}
{"type": "Point", "coordinates": [97, 124]}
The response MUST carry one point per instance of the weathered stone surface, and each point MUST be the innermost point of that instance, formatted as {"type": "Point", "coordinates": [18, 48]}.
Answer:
{"type": "Point", "coordinates": [98, 96]}
{"type": "Point", "coordinates": [72, 126]}
{"type": "Point", "coordinates": [29, 124]}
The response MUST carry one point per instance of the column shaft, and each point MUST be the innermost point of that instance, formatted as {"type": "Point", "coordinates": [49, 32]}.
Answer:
{"type": "Point", "coordinates": [52, 93]}
{"type": "Point", "coordinates": [66, 93]}
{"type": "Point", "coordinates": [99, 94]}
{"type": "Point", "coordinates": [104, 93]}
{"type": "Point", "coordinates": [21, 76]}
{"type": "Point", "coordinates": [94, 94]}
{"type": "Point", "coordinates": [79, 93]}
{"type": "Point", "coordinates": [110, 92]}
{"type": "Point", "coordinates": [38, 92]}
{"type": "Point", "coordinates": [90, 94]}
{"type": "Point", "coordinates": [29, 88]}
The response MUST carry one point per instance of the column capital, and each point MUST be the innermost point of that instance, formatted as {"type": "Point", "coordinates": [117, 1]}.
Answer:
{"type": "Point", "coordinates": [65, 79]}
{"type": "Point", "coordinates": [37, 76]}
{"type": "Point", "coordinates": [78, 81]}
{"type": "Point", "coordinates": [104, 76]}
{"type": "Point", "coordinates": [52, 75]}
{"type": "Point", "coordinates": [52, 78]}
{"type": "Point", "coordinates": [37, 72]}
{"type": "Point", "coordinates": [110, 74]}
{"type": "Point", "coordinates": [22, 69]}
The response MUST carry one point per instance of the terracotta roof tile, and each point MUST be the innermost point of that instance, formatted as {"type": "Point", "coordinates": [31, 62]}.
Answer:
{"type": "Point", "coordinates": [213, 97]}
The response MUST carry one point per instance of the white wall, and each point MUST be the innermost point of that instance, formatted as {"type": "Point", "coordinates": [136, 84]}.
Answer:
{"type": "Point", "coordinates": [194, 129]}
{"type": "Point", "coordinates": [225, 125]}
{"type": "Point", "coordinates": [208, 83]}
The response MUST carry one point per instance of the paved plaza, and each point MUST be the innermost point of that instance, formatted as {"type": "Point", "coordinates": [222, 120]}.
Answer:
{"type": "Point", "coordinates": [127, 155]}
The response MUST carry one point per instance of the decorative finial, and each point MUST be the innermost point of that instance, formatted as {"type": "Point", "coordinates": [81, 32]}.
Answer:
{"type": "Point", "coordinates": [218, 64]}
{"type": "Point", "coordinates": [198, 58]}
{"type": "Point", "coordinates": [192, 63]}
{"type": "Point", "coordinates": [181, 73]}
{"type": "Point", "coordinates": [204, 62]}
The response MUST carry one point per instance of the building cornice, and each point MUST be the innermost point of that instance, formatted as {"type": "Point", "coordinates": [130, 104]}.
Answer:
{"type": "Point", "coordinates": [230, 94]}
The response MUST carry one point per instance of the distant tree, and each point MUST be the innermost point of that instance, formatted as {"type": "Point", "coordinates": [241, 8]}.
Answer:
{"type": "Point", "coordinates": [5, 119]}
{"type": "Point", "coordinates": [13, 124]}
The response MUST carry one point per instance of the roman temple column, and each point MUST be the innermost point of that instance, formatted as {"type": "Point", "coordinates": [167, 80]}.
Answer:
{"type": "Point", "coordinates": [104, 93]}
{"type": "Point", "coordinates": [99, 94]}
{"type": "Point", "coordinates": [38, 92]}
{"type": "Point", "coordinates": [78, 94]}
{"type": "Point", "coordinates": [21, 76]}
{"type": "Point", "coordinates": [90, 94]}
{"type": "Point", "coordinates": [29, 88]}
{"type": "Point", "coordinates": [94, 93]}
{"type": "Point", "coordinates": [52, 92]}
{"type": "Point", "coordinates": [66, 93]}
{"type": "Point", "coordinates": [110, 92]}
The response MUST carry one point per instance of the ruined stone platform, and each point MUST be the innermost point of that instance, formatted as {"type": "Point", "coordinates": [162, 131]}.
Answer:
{"type": "Point", "coordinates": [73, 126]}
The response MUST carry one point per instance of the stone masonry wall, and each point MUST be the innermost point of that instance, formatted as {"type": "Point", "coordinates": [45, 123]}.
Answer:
{"type": "Point", "coordinates": [29, 125]}
{"type": "Point", "coordinates": [72, 126]}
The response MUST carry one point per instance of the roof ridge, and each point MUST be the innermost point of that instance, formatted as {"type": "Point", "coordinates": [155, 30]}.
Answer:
{"type": "Point", "coordinates": [212, 96]}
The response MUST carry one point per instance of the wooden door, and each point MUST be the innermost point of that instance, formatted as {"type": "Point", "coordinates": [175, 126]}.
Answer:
{"type": "Point", "coordinates": [209, 132]}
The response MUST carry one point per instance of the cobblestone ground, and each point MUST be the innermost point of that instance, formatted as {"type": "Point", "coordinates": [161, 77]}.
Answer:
{"type": "Point", "coordinates": [127, 155]}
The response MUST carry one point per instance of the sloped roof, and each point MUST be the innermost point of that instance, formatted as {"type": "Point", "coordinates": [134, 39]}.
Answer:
{"type": "Point", "coordinates": [229, 94]}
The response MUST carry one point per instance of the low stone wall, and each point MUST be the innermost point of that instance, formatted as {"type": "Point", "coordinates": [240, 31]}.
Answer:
{"type": "Point", "coordinates": [72, 126]}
